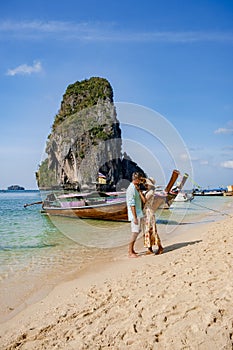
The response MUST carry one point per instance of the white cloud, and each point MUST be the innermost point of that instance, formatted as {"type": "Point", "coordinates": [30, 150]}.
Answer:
{"type": "Point", "coordinates": [195, 159]}
{"type": "Point", "coordinates": [228, 129]}
{"type": "Point", "coordinates": [199, 161]}
{"type": "Point", "coordinates": [227, 164]}
{"type": "Point", "coordinates": [39, 26]}
{"type": "Point", "coordinates": [108, 31]}
{"type": "Point", "coordinates": [184, 156]}
{"type": "Point", "coordinates": [224, 131]}
{"type": "Point", "coordinates": [228, 148]}
{"type": "Point", "coordinates": [196, 148]}
{"type": "Point", "coordinates": [204, 162]}
{"type": "Point", "coordinates": [25, 69]}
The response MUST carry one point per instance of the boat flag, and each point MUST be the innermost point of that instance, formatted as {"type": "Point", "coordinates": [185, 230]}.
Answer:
{"type": "Point", "coordinates": [101, 175]}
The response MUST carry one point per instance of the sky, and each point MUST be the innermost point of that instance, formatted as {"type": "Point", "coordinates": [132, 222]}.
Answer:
{"type": "Point", "coordinates": [171, 57]}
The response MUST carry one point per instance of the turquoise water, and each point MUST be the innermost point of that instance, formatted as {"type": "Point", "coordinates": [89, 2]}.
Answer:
{"type": "Point", "coordinates": [30, 238]}
{"type": "Point", "coordinates": [36, 251]}
{"type": "Point", "coordinates": [25, 233]}
{"type": "Point", "coordinates": [22, 228]}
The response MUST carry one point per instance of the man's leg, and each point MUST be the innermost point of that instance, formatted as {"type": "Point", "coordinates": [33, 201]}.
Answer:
{"type": "Point", "coordinates": [132, 253]}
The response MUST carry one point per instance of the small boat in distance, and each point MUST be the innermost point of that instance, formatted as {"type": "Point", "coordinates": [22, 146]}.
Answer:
{"type": "Point", "coordinates": [209, 192]}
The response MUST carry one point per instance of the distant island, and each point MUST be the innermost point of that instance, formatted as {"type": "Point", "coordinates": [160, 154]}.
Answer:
{"type": "Point", "coordinates": [15, 188]}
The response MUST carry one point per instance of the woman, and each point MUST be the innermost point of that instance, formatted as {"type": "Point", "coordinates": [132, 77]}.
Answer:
{"type": "Point", "coordinates": [149, 227]}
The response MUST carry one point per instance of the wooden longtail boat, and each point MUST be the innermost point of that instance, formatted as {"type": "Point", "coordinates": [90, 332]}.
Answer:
{"type": "Point", "coordinates": [161, 197]}
{"type": "Point", "coordinates": [88, 206]}
{"type": "Point", "coordinates": [173, 192]}
{"type": "Point", "coordinates": [164, 199]}
{"type": "Point", "coordinates": [105, 206]}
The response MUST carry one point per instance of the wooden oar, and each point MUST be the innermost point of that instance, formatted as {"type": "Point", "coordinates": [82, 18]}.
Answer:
{"type": "Point", "coordinates": [27, 205]}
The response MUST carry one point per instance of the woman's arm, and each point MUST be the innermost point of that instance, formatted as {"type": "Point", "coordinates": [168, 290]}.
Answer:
{"type": "Point", "coordinates": [143, 199]}
{"type": "Point", "coordinates": [148, 195]}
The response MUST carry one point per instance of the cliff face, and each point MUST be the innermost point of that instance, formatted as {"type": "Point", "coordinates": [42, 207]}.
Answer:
{"type": "Point", "coordinates": [86, 141]}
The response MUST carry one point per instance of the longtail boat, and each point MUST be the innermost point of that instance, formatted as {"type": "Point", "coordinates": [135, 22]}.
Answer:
{"type": "Point", "coordinates": [104, 205]}
{"type": "Point", "coordinates": [164, 199]}
{"type": "Point", "coordinates": [161, 197]}
{"type": "Point", "coordinates": [172, 192]}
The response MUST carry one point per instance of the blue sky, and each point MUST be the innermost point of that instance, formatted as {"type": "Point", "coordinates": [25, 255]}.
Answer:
{"type": "Point", "coordinates": [174, 57]}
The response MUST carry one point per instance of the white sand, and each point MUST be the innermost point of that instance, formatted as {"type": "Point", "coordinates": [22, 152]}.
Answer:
{"type": "Point", "coordinates": [182, 299]}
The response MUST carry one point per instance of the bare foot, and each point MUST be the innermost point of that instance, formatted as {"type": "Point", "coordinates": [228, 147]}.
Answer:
{"type": "Point", "coordinates": [160, 251]}
{"type": "Point", "coordinates": [149, 252]}
{"type": "Point", "coordinates": [133, 255]}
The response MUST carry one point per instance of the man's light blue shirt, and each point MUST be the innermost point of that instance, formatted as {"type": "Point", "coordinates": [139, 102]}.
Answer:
{"type": "Point", "coordinates": [133, 199]}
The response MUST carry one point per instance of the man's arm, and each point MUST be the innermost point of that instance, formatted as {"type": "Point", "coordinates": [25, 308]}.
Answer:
{"type": "Point", "coordinates": [135, 219]}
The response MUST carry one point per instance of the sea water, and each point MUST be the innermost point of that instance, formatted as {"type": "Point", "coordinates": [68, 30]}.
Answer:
{"type": "Point", "coordinates": [37, 251]}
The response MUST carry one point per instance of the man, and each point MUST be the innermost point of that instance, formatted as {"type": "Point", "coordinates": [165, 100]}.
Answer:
{"type": "Point", "coordinates": [134, 207]}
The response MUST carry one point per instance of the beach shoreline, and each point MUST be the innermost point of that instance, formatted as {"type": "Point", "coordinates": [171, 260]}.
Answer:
{"type": "Point", "coordinates": [14, 300]}
{"type": "Point", "coordinates": [180, 300]}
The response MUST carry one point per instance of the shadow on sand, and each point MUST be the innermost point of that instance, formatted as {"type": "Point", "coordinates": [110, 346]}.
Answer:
{"type": "Point", "coordinates": [174, 246]}
{"type": "Point", "coordinates": [173, 222]}
{"type": "Point", "coordinates": [179, 245]}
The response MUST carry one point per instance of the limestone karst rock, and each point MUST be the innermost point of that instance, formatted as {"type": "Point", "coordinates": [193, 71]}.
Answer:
{"type": "Point", "coordinates": [86, 141]}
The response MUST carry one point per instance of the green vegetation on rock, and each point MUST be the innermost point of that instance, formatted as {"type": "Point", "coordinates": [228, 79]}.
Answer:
{"type": "Point", "coordinates": [82, 95]}
{"type": "Point", "coordinates": [44, 176]}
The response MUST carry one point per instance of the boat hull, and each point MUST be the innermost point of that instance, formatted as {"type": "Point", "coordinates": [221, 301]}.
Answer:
{"type": "Point", "coordinates": [159, 200]}
{"type": "Point", "coordinates": [169, 200]}
{"type": "Point", "coordinates": [112, 212]}
{"type": "Point", "coordinates": [183, 197]}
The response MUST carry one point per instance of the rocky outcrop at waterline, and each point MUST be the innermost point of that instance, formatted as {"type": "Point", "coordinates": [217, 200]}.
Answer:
{"type": "Point", "coordinates": [84, 149]}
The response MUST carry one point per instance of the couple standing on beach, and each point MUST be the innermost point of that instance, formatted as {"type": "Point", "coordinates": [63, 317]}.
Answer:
{"type": "Point", "coordinates": [141, 214]}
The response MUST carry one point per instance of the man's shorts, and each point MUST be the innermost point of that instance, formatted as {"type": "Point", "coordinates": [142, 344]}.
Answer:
{"type": "Point", "coordinates": [136, 228]}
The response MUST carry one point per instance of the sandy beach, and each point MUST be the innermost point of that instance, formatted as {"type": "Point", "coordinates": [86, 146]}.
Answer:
{"type": "Point", "coordinates": [181, 299]}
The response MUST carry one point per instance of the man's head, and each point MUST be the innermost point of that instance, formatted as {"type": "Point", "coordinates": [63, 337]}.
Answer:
{"type": "Point", "coordinates": [137, 178]}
